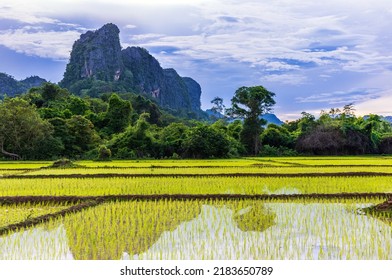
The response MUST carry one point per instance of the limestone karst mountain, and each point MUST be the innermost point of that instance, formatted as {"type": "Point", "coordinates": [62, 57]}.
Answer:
{"type": "Point", "coordinates": [99, 64]}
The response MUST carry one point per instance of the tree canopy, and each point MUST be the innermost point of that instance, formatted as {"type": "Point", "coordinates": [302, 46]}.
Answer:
{"type": "Point", "coordinates": [48, 122]}
{"type": "Point", "coordinates": [250, 103]}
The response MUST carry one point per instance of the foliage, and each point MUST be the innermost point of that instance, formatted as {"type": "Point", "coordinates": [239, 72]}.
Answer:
{"type": "Point", "coordinates": [49, 123]}
{"type": "Point", "coordinates": [250, 103]}
{"type": "Point", "coordinates": [118, 114]}
{"type": "Point", "coordinates": [386, 145]}
{"type": "Point", "coordinates": [21, 128]}
{"type": "Point", "coordinates": [63, 163]}
{"type": "Point", "coordinates": [104, 153]}
{"type": "Point", "coordinates": [277, 136]}
{"type": "Point", "coordinates": [81, 135]}
{"type": "Point", "coordinates": [339, 131]}
{"type": "Point", "coordinates": [172, 139]}
{"type": "Point", "coordinates": [203, 141]}
{"type": "Point", "coordinates": [280, 151]}
{"type": "Point", "coordinates": [135, 140]}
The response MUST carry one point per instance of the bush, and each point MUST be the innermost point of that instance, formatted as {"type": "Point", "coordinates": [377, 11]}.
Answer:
{"type": "Point", "coordinates": [268, 150]}
{"type": "Point", "coordinates": [63, 163]}
{"type": "Point", "coordinates": [385, 146]}
{"type": "Point", "coordinates": [104, 153]}
{"type": "Point", "coordinates": [175, 156]}
{"type": "Point", "coordinates": [125, 153]}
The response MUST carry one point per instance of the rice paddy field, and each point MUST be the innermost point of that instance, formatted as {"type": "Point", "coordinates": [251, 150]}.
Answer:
{"type": "Point", "coordinates": [312, 208]}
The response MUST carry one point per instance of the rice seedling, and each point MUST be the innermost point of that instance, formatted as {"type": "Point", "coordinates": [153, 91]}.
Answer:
{"type": "Point", "coordinates": [23, 164]}
{"type": "Point", "coordinates": [278, 228]}
{"type": "Point", "coordinates": [333, 160]}
{"type": "Point", "coordinates": [194, 185]}
{"type": "Point", "coordinates": [214, 170]}
{"type": "Point", "coordinates": [169, 163]}
{"type": "Point", "coordinates": [7, 172]}
{"type": "Point", "coordinates": [10, 214]}
{"type": "Point", "coordinates": [215, 229]}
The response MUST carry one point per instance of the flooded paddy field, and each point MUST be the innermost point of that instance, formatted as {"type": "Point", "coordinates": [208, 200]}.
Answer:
{"type": "Point", "coordinates": [206, 216]}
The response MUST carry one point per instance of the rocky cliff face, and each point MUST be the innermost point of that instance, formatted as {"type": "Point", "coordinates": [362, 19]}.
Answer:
{"type": "Point", "coordinates": [12, 87]}
{"type": "Point", "coordinates": [97, 58]}
{"type": "Point", "coordinates": [146, 72]}
{"type": "Point", "coordinates": [95, 55]}
{"type": "Point", "coordinates": [176, 92]}
{"type": "Point", "coordinates": [194, 90]}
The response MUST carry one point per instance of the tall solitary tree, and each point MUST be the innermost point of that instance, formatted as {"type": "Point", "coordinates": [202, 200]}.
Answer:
{"type": "Point", "coordinates": [250, 103]}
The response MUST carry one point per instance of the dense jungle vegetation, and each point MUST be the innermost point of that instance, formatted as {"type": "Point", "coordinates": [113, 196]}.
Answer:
{"type": "Point", "coordinates": [48, 122]}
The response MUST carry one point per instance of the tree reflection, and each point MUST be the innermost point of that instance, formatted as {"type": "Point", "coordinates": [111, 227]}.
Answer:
{"type": "Point", "coordinates": [107, 231]}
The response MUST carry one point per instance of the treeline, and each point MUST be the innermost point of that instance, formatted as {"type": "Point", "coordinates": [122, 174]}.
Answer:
{"type": "Point", "coordinates": [48, 123]}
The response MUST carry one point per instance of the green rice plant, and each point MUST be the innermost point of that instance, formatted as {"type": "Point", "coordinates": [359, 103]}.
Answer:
{"type": "Point", "coordinates": [23, 164]}
{"type": "Point", "coordinates": [204, 229]}
{"type": "Point", "coordinates": [7, 172]}
{"type": "Point", "coordinates": [115, 228]}
{"type": "Point", "coordinates": [169, 163]}
{"type": "Point", "coordinates": [11, 214]}
{"type": "Point", "coordinates": [194, 185]}
{"type": "Point", "coordinates": [211, 229]}
{"type": "Point", "coordinates": [336, 160]}
{"type": "Point", "coordinates": [214, 170]}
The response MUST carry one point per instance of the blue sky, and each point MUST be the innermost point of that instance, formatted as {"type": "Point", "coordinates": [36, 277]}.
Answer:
{"type": "Point", "coordinates": [313, 55]}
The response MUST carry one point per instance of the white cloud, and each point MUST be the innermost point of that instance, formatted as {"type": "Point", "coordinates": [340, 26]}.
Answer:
{"type": "Point", "coordinates": [379, 105]}
{"type": "Point", "coordinates": [245, 31]}
{"type": "Point", "coordinates": [26, 12]}
{"type": "Point", "coordinates": [288, 79]}
{"type": "Point", "coordinates": [342, 97]}
{"type": "Point", "coordinates": [254, 33]}
{"type": "Point", "coordinates": [130, 26]}
{"type": "Point", "coordinates": [140, 38]}
{"type": "Point", "coordinates": [278, 40]}
{"type": "Point", "coordinates": [47, 44]}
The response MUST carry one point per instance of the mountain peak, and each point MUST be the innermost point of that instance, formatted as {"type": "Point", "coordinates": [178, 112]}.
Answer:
{"type": "Point", "coordinates": [109, 28]}
{"type": "Point", "coordinates": [97, 55]}
{"type": "Point", "coordinates": [99, 64]}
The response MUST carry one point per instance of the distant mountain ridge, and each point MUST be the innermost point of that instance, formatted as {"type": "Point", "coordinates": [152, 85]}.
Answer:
{"type": "Point", "coordinates": [98, 64]}
{"type": "Point", "coordinates": [270, 118]}
{"type": "Point", "coordinates": [10, 86]}
{"type": "Point", "coordinates": [387, 118]}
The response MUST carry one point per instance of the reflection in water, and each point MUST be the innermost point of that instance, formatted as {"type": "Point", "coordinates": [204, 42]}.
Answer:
{"type": "Point", "coordinates": [311, 231]}
{"type": "Point", "coordinates": [208, 230]}
{"type": "Point", "coordinates": [36, 244]}
{"type": "Point", "coordinates": [382, 211]}
{"type": "Point", "coordinates": [255, 217]}
{"type": "Point", "coordinates": [107, 231]}
{"type": "Point", "coordinates": [212, 235]}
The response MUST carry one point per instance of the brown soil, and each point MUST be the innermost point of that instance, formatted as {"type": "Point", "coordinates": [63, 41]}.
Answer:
{"type": "Point", "coordinates": [385, 206]}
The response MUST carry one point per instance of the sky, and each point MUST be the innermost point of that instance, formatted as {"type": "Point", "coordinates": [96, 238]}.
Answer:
{"type": "Point", "coordinates": [314, 55]}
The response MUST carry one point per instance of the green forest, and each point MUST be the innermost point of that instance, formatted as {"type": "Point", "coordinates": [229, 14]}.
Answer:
{"type": "Point", "coordinates": [48, 122]}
